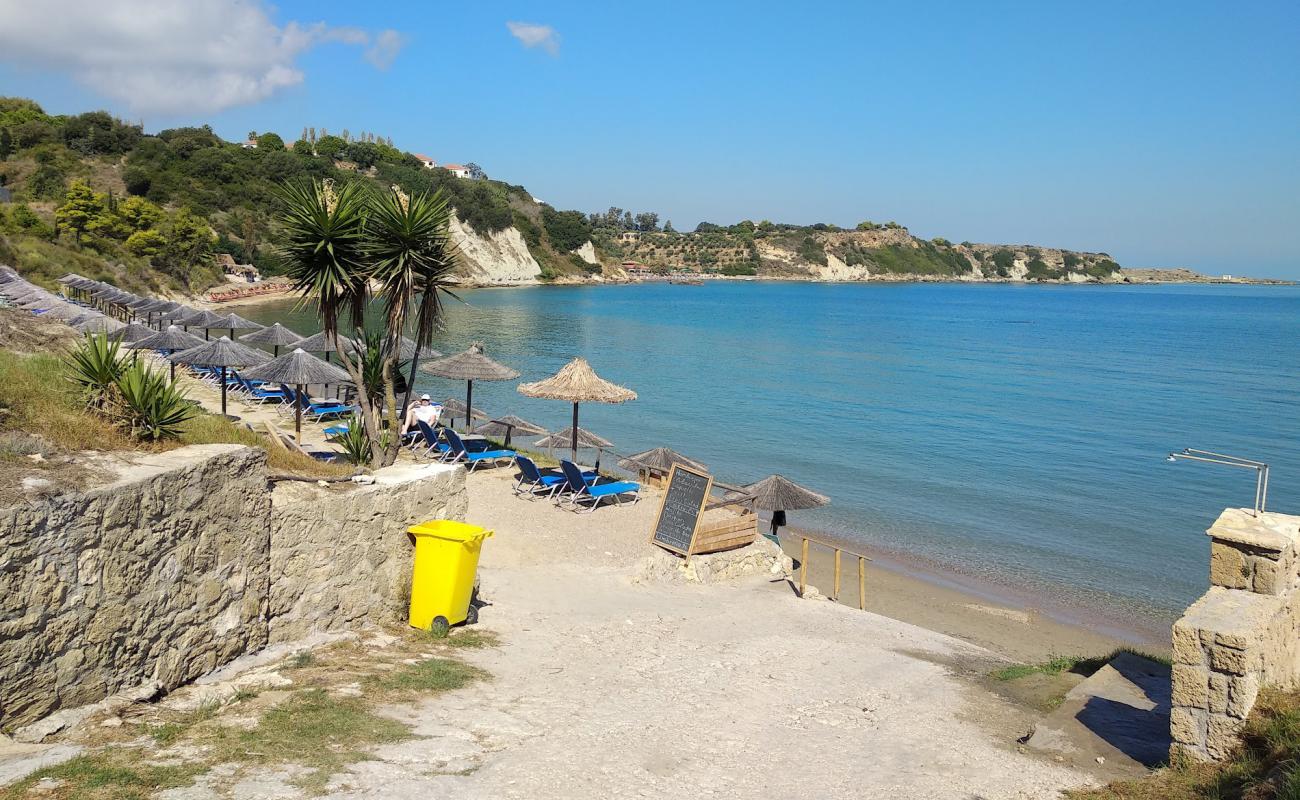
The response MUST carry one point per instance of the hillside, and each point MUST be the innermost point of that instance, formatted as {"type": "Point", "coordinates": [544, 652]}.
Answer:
{"type": "Point", "coordinates": [151, 212]}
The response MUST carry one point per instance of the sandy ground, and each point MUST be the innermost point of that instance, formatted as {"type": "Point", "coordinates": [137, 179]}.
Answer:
{"type": "Point", "coordinates": [605, 687]}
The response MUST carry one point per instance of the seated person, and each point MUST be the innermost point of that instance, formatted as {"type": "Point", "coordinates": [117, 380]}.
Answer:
{"type": "Point", "coordinates": [424, 411]}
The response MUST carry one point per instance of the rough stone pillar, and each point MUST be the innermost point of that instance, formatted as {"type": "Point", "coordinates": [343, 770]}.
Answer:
{"type": "Point", "coordinates": [1240, 636]}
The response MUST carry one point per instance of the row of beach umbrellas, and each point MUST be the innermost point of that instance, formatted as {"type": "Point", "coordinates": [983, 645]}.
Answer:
{"type": "Point", "coordinates": [120, 313]}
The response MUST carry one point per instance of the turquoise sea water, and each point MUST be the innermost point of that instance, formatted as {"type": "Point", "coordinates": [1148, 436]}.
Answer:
{"type": "Point", "coordinates": [1013, 435]}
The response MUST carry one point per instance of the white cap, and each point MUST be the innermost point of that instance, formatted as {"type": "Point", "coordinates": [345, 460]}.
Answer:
{"type": "Point", "coordinates": [425, 397]}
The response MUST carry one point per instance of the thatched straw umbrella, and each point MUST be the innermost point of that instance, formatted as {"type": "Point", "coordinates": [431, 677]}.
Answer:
{"type": "Point", "coordinates": [577, 383]}
{"type": "Point", "coordinates": [301, 369]}
{"type": "Point", "coordinates": [201, 319]}
{"type": "Point", "coordinates": [779, 494]}
{"type": "Point", "coordinates": [172, 339]}
{"type": "Point", "coordinates": [455, 409]}
{"type": "Point", "coordinates": [320, 343]}
{"type": "Point", "coordinates": [100, 325]}
{"type": "Point", "coordinates": [576, 439]}
{"type": "Point", "coordinates": [232, 322]}
{"type": "Point", "coordinates": [469, 366]}
{"type": "Point", "coordinates": [221, 353]}
{"type": "Point", "coordinates": [132, 333]}
{"type": "Point", "coordinates": [659, 462]}
{"type": "Point", "coordinates": [507, 425]}
{"type": "Point", "coordinates": [275, 335]}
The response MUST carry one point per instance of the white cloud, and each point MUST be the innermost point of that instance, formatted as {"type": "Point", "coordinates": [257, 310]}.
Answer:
{"type": "Point", "coordinates": [163, 56]}
{"type": "Point", "coordinates": [531, 35]}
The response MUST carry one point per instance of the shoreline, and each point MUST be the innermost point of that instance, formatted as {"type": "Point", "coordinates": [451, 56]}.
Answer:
{"type": "Point", "coordinates": [1019, 625]}
{"type": "Point", "coordinates": [258, 300]}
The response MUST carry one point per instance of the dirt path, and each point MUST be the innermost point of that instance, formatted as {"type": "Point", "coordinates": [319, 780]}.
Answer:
{"type": "Point", "coordinates": [608, 688]}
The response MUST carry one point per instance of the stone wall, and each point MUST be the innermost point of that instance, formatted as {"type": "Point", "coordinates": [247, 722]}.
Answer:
{"type": "Point", "coordinates": [157, 577]}
{"type": "Point", "coordinates": [1241, 636]}
{"type": "Point", "coordinates": [342, 557]}
{"type": "Point", "coordinates": [188, 560]}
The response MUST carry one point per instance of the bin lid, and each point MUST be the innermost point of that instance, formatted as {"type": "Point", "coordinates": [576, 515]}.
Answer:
{"type": "Point", "coordinates": [451, 530]}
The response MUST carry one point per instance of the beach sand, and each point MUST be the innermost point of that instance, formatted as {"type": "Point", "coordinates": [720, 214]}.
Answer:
{"type": "Point", "coordinates": [609, 686]}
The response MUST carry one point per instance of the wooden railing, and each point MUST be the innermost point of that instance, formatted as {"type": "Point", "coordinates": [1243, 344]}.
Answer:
{"type": "Point", "coordinates": [835, 595]}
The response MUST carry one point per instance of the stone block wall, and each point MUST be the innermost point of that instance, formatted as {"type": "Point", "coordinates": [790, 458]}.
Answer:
{"type": "Point", "coordinates": [343, 557]}
{"type": "Point", "coordinates": [187, 560]}
{"type": "Point", "coordinates": [1240, 636]}
{"type": "Point", "coordinates": [157, 577]}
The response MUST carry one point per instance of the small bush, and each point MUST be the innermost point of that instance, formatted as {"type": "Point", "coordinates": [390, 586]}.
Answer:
{"type": "Point", "coordinates": [96, 369]}
{"type": "Point", "coordinates": [151, 406]}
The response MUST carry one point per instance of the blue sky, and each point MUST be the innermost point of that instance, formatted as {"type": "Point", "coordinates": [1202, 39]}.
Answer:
{"type": "Point", "coordinates": [1163, 133]}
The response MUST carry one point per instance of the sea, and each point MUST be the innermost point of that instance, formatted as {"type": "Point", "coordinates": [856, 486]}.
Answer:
{"type": "Point", "coordinates": [1011, 439]}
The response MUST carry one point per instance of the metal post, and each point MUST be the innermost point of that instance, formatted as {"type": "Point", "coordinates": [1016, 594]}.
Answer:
{"type": "Point", "coordinates": [469, 405]}
{"type": "Point", "coordinates": [573, 441]}
{"type": "Point", "coordinates": [803, 568]}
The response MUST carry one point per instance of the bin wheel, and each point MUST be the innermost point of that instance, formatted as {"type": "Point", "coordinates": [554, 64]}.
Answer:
{"type": "Point", "coordinates": [439, 627]}
{"type": "Point", "coordinates": [471, 616]}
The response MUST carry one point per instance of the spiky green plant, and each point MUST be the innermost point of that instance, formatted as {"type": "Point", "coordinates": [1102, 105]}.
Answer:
{"type": "Point", "coordinates": [96, 368]}
{"type": "Point", "coordinates": [355, 442]}
{"type": "Point", "coordinates": [150, 405]}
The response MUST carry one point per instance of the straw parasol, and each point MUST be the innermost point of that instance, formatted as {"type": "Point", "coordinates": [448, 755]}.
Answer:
{"type": "Point", "coordinates": [172, 339]}
{"type": "Point", "coordinates": [659, 459]}
{"type": "Point", "coordinates": [454, 408]}
{"type": "Point", "coordinates": [100, 325]}
{"type": "Point", "coordinates": [507, 425]}
{"type": "Point", "coordinates": [221, 353]}
{"type": "Point", "coordinates": [132, 333]}
{"type": "Point", "coordinates": [779, 494]}
{"type": "Point", "coordinates": [275, 335]}
{"type": "Point", "coordinates": [299, 368]}
{"type": "Point", "coordinates": [201, 319]}
{"type": "Point", "coordinates": [577, 383]}
{"type": "Point", "coordinates": [232, 322]}
{"type": "Point", "coordinates": [469, 366]}
{"type": "Point", "coordinates": [575, 439]}
{"type": "Point", "coordinates": [320, 343]}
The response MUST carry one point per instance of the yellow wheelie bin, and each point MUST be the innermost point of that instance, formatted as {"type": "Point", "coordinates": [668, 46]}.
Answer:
{"type": "Point", "coordinates": [442, 579]}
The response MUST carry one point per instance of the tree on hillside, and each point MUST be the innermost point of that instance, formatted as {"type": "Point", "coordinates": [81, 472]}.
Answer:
{"type": "Point", "coordinates": [567, 230]}
{"type": "Point", "coordinates": [270, 141]}
{"type": "Point", "coordinates": [338, 242]}
{"type": "Point", "coordinates": [330, 146]}
{"type": "Point", "coordinates": [345, 136]}
{"type": "Point", "coordinates": [303, 137]}
{"type": "Point", "coordinates": [668, 227]}
{"type": "Point", "coordinates": [188, 242]}
{"type": "Point", "coordinates": [81, 209]}
{"type": "Point", "coordinates": [647, 221]}
{"type": "Point", "coordinates": [475, 171]}
{"type": "Point", "coordinates": [6, 143]}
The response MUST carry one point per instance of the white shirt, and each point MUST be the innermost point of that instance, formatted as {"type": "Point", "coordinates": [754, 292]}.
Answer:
{"type": "Point", "coordinates": [427, 414]}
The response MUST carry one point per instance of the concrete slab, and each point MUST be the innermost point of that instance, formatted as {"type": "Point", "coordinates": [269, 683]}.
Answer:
{"type": "Point", "coordinates": [1120, 714]}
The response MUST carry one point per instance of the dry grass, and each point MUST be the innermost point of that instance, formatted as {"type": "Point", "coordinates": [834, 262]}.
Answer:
{"type": "Point", "coordinates": [1265, 767]}
{"type": "Point", "coordinates": [212, 429]}
{"type": "Point", "coordinates": [110, 774]}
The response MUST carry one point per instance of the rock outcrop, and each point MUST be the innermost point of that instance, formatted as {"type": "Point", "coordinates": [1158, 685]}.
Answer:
{"type": "Point", "coordinates": [501, 258]}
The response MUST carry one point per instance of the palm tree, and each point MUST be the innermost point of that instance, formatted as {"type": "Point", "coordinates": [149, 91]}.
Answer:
{"type": "Point", "coordinates": [339, 240]}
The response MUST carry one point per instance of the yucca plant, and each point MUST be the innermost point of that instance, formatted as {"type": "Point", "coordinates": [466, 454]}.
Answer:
{"type": "Point", "coordinates": [341, 240]}
{"type": "Point", "coordinates": [150, 405]}
{"type": "Point", "coordinates": [356, 443]}
{"type": "Point", "coordinates": [96, 369]}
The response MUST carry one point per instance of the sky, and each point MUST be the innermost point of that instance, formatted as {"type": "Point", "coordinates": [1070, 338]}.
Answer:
{"type": "Point", "coordinates": [1162, 133]}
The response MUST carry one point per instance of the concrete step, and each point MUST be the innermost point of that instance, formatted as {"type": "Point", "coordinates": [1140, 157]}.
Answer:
{"type": "Point", "coordinates": [1119, 714]}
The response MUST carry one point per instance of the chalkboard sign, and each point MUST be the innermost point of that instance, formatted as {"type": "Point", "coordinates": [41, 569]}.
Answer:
{"type": "Point", "coordinates": [679, 514]}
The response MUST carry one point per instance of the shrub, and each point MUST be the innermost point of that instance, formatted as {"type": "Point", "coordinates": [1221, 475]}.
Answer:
{"type": "Point", "coordinates": [96, 370]}
{"type": "Point", "coordinates": [150, 405]}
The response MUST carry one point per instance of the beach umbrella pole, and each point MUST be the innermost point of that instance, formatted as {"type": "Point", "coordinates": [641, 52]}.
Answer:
{"type": "Point", "coordinates": [223, 389]}
{"type": "Point", "coordinates": [573, 442]}
{"type": "Point", "coordinates": [469, 405]}
{"type": "Point", "coordinates": [297, 413]}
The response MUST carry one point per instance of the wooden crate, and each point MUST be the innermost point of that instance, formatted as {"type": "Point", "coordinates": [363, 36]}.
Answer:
{"type": "Point", "coordinates": [725, 532]}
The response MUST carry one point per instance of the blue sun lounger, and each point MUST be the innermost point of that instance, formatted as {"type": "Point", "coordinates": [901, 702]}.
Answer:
{"type": "Point", "coordinates": [580, 489]}
{"type": "Point", "coordinates": [533, 482]}
{"type": "Point", "coordinates": [472, 459]}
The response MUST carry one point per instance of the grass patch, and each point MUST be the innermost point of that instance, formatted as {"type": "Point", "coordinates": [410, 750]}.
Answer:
{"type": "Point", "coordinates": [312, 728]}
{"type": "Point", "coordinates": [301, 660]}
{"type": "Point", "coordinates": [112, 774]}
{"type": "Point", "coordinates": [1265, 767]}
{"type": "Point", "coordinates": [431, 676]}
{"type": "Point", "coordinates": [171, 731]}
{"type": "Point", "coordinates": [471, 639]}
{"type": "Point", "coordinates": [213, 429]}
{"type": "Point", "coordinates": [1079, 665]}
